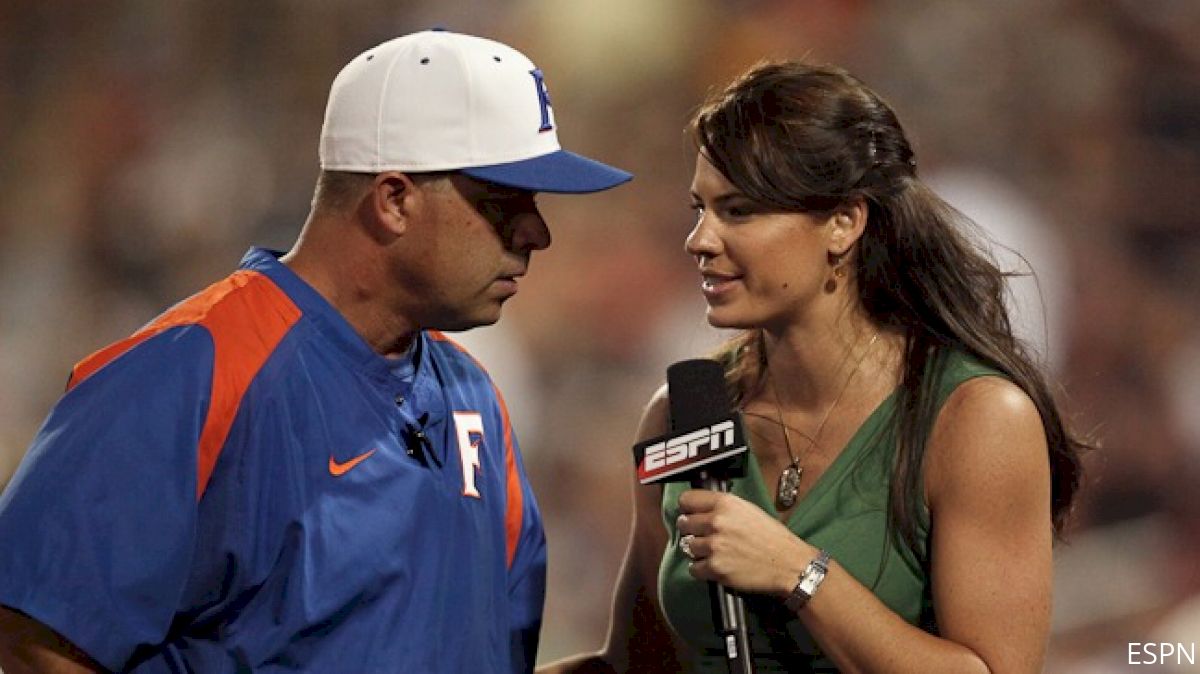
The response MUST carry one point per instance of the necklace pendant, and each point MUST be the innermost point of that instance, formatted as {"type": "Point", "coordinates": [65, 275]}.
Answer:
{"type": "Point", "coordinates": [789, 486]}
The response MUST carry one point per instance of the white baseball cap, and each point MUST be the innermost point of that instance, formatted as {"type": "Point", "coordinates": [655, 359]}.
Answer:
{"type": "Point", "coordinates": [442, 101]}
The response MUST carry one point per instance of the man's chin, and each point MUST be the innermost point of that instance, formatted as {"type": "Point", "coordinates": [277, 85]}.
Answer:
{"type": "Point", "coordinates": [463, 323]}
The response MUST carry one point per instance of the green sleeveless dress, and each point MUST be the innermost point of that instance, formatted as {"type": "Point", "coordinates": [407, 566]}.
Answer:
{"type": "Point", "coordinates": [845, 512]}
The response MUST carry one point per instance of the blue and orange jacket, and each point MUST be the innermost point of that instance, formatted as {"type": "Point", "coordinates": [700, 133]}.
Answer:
{"type": "Point", "coordinates": [244, 485]}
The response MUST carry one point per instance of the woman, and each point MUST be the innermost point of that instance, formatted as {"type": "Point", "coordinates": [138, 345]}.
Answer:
{"type": "Point", "coordinates": [908, 467]}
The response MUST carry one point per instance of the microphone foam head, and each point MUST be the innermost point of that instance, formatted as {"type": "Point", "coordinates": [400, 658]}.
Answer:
{"type": "Point", "coordinates": [698, 393]}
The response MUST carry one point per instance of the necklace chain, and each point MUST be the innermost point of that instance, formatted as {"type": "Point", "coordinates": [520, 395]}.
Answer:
{"type": "Point", "coordinates": [789, 480]}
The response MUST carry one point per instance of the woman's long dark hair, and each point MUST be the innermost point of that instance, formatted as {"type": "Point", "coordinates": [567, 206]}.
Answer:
{"type": "Point", "coordinates": [807, 138]}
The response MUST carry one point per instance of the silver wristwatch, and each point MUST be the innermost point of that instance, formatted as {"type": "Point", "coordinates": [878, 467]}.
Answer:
{"type": "Point", "coordinates": [810, 580]}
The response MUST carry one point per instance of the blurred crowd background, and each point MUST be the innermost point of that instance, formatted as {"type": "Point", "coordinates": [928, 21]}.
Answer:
{"type": "Point", "coordinates": [145, 145]}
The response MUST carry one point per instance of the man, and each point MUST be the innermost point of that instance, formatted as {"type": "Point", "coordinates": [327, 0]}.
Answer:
{"type": "Point", "coordinates": [293, 469]}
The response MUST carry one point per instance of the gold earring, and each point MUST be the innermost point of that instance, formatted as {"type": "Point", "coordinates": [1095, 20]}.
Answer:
{"type": "Point", "coordinates": [839, 271]}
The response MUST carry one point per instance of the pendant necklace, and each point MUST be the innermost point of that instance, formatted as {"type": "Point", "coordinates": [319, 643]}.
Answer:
{"type": "Point", "coordinates": [789, 480]}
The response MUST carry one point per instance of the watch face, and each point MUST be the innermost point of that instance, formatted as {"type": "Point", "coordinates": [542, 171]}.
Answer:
{"type": "Point", "coordinates": [808, 583]}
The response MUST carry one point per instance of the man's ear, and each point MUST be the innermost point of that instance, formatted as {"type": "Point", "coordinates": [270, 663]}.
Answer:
{"type": "Point", "coordinates": [847, 224]}
{"type": "Point", "coordinates": [391, 205]}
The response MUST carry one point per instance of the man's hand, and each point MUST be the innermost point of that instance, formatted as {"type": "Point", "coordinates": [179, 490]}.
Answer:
{"type": "Point", "coordinates": [29, 647]}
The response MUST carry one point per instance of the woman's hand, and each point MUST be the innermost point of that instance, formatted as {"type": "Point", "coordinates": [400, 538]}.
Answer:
{"type": "Point", "coordinates": [738, 545]}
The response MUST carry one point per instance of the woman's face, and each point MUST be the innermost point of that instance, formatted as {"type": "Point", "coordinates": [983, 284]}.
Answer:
{"type": "Point", "coordinates": [760, 267]}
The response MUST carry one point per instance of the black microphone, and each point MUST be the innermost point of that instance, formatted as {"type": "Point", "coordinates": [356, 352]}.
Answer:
{"type": "Point", "coordinates": [706, 447]}
{"type": "Point", "coordinates": [706, 437]}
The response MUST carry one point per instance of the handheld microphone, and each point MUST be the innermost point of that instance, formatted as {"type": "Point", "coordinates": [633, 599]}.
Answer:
{"type": "Point", "coordinates": [706, 446]}
{"type": "Point", "coordinates": [706, 437]}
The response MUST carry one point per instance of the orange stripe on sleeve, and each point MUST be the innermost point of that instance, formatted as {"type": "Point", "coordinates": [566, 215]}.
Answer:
{"type": "Point", "coordinates": [245, 328]}
{"type": "Point", "coordinates": [514, 514]}
{"type": "Point", "coordinates": [89, 365]}
{"type": "Point", "coordinates": [188, 312]}
{"type": "Point", "coordinates": [247, 315]}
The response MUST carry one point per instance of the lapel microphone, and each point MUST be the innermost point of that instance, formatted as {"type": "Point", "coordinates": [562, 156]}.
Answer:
{"type": "Point", "coordinates": [417, 444]}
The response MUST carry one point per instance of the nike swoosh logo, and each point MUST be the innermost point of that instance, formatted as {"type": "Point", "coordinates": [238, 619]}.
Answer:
{"type": "Point", "coordinates": [338, 469]}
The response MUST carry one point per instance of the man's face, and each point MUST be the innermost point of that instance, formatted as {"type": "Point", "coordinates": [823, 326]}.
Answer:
{"type": "Point", "coordinates": [472, 242]}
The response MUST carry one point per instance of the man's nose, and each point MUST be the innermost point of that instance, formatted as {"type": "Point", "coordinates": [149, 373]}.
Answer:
{"type": "Point", "coordinates": [530, 233]}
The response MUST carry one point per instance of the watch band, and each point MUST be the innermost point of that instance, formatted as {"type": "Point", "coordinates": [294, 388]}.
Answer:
{"type": "Point", "coordinates": [810, 580]}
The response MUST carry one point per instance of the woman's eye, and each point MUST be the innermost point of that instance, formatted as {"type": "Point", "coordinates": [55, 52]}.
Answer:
{"type": "Point", "coordinates": [735, 211]}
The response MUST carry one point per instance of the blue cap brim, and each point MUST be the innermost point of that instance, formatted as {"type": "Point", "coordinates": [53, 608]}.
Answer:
{"type": "Point", "coordinates": [560, 171]}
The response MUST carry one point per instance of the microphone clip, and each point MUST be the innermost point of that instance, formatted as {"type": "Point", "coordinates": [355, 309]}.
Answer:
{"type": "Point", "coordinates": [417, 444]}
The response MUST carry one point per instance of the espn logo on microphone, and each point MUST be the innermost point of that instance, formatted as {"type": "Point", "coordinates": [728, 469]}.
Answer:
{"type": "Point", "coordinates": [665, 457]}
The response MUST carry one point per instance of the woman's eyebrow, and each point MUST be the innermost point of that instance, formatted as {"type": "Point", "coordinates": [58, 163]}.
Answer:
{"type": "Point", "coordinates": [722, 198]}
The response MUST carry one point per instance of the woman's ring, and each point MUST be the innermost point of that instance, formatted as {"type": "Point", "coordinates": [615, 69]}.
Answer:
{"type": "Point", "coordinates": [685, 544]}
